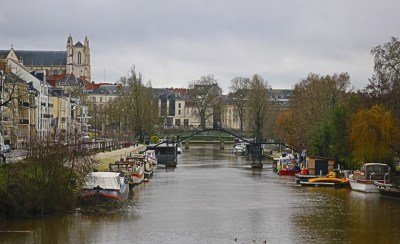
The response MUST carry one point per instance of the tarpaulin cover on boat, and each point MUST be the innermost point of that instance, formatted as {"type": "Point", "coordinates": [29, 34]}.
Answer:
{"type": "Point", "coordinates": [105, 180]}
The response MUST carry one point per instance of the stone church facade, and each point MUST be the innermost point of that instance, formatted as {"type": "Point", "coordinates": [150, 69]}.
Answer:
{"type": "Point", "coordinates": [74, 61]}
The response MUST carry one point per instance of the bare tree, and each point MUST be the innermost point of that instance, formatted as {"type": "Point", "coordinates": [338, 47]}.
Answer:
{"type": "Point", "coordinates": [257, 104]}
{"type": "Point", "coordinates": [239, 89]}
{"type": "Point", "coordinates": [140, 106]}
{"type": "Point", "coordinates": [7, 87]}
{"type": "Point", "coordinates": [205, 99]}
{"type": "Point", "coordinates": [384, 86]}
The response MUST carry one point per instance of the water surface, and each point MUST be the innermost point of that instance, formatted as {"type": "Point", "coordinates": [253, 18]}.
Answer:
{"type": "Point", "coordinates": [215, 197]}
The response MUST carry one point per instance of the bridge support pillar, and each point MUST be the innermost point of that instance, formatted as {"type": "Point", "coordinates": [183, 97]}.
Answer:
{"type": "Point", "coordinates": [186, 144]}
{"type": "Point", "coordinates": [222, 145]}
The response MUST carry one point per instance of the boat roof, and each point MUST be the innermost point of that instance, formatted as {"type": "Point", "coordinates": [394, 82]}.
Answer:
{"type": "Point", "coordinates": [104, 174]}
{"type": "Point", "coordinates": [105, 180]}
{"type": "Point", "coordinates": [164, 144]}
{"type": "Point", "coordinates": [368, 164]}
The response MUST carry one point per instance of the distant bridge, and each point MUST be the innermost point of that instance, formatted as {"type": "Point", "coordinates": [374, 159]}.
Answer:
{"type": "Point", "coordinates": [254, 146]}
{"type": "Point", "coordinates": [266, 141]}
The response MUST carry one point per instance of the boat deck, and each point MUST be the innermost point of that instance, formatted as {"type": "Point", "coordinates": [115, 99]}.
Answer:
{"type": "Point", "coordinates": [304, 178]}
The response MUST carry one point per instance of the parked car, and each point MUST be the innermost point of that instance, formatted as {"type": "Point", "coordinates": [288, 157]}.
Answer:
{"type": "Point", "coordinates": [5, 148]}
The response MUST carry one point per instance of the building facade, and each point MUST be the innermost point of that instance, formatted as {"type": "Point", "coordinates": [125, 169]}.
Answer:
{"type": "Point", "coordinates": [75, 60]}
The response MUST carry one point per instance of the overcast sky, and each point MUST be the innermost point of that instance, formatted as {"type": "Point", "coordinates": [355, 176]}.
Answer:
{"type": "Point", "coordinates": [175, 42]}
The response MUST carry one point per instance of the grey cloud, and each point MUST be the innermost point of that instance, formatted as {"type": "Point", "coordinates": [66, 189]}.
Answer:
{"type": "Point", "coordinates": [174, 42]}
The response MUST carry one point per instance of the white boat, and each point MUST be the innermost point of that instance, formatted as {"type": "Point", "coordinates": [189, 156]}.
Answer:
{"type": "Point", "coordinates": [363, 180]}
{"type": "Point", "coordinates": [103, 187]}
{"type": "Point", "coordinates": [151, 156]}
{"type": "Point", "coordinates": [239, 148]}
{"type": "Point", "coordinates": [148, 170]}
{"type": "Point", "coordinates": [137, 174]}
{"type": "Point", "coordinates": [286, 164]}
{"type": "Point", "coordinates": [179, 149]}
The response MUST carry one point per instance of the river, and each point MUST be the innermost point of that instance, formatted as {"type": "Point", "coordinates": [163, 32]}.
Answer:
{"type": "Point", "coordinates": [214, 197]}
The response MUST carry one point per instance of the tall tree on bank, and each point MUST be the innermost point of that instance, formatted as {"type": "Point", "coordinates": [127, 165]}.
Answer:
{"type": "Point", "coordinates": [313, 103]}
{"type": "Point", "coordinates": [7, 83]}
{"type": "Point", "coordinates": [205, 99]}
{"type": "Point", "coordinates": [257, 106]}
{"type": "Point", "coordinates": [139, 106]}
{"type": "Point", "coordinates": [384, 86]}
{"type": "Point", "coordinates": [372, 135]}
{"type": "Point", "coordinates": [239, 89]}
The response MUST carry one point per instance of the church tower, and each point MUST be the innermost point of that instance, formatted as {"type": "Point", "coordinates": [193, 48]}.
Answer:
{"type": "Point", "coordinates": [70, 45]}
{"type": "Point", "coordinates": [78, 58]}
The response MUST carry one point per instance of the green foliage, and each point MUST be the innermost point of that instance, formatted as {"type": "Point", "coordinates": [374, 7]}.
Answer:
{"type": "Point", "coordinates": [311, 113]}
{"type": "Point", "coordinates": [372, 134]}
{"type": "Point", "coordinates": [321, 141]}
{"type": "Point", "coordinates": [41, 183]}
{"type": "Point", "coordinates": [154, 139]}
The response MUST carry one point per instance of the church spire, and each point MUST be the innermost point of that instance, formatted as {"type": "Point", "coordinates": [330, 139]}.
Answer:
{"type": "Point", "coordinates": [86, 42]}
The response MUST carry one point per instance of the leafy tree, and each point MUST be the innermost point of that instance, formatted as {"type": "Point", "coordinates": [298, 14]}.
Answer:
{"type": "Point", "coordinates": [239, 89]}
{"type": "Point", "coordinates": [41, 184]}
{"type": "Point", "coordinates": [312, 105]}
{"type": "Point", "coordinates": [339, 128]}
{"type": "Point", "coordinates": [372, 133]}
{"type": "Point", "coordinates": [154, 139]}
{"type": "Point", "coordinates": [204, 97]}
{"type": "Point", "coordinates": [287, 128]}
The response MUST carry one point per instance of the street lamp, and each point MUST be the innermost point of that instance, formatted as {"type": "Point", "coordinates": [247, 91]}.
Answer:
{"type": "Point", "coordinates": [2, 79]}
{"type": "Point", "coordinates": [95, 124]}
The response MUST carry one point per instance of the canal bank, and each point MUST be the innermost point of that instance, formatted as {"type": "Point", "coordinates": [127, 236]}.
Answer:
{"type": "Point", "coordinates": [107, 157]}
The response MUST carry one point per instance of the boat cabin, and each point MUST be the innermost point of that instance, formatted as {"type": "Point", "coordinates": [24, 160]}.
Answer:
{"type": "Point", "coordinates": [320, 165]}
{"type": "Point", "coordinates": [166, 153]}
{"type": "Point", "coordinates": [372, 171]}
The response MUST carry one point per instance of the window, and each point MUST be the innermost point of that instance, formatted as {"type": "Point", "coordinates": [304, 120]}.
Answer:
{"type": "Point", "coordinates": [79, 58]}
{"type": "Point", "coordinates": [179, 105]}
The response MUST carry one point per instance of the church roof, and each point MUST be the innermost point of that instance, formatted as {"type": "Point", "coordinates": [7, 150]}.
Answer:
{"type": "Point", "coordinates": [37, 58]}
{"type": "Point", "coordinates": [79, 44]}
{"type": "Point", "coordinates": [4, 53]}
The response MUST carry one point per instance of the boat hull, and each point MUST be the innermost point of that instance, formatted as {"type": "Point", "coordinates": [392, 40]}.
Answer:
{"type": "Point", "coordinates": [364, 186]}
{"type": "Point", "coordinates": [137, 178]}
{"type": "Point", "coordinates": [102, 196]}
{"type": "Point", "coordinates": [388, 190]}
{"type": "Point", "coordinates": [287, 172]}
{"type": "Point", "coordinates": [326, 182]}
{"type": "Point", "coordinates": [148, 170]}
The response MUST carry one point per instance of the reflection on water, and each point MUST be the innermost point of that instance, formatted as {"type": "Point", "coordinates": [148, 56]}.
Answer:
{"type": "Point", "coordinates": [215, 197]}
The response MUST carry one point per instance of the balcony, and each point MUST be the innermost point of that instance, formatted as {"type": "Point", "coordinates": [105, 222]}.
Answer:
{"type": "Point", "coordinates": [23, 104]}
{"type": "Point", "coordinates": [24, 122]}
